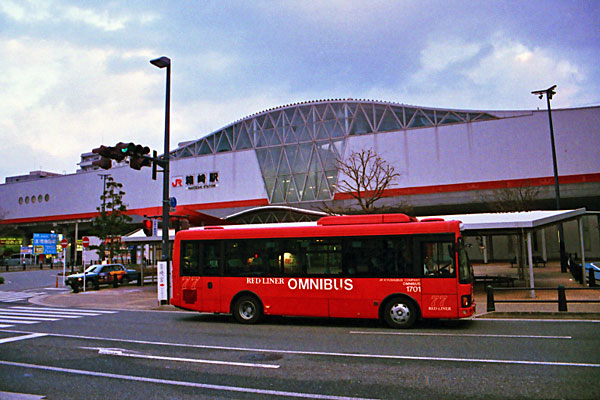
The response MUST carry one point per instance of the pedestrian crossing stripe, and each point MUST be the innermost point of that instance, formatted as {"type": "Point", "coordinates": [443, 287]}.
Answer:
{"type": "Point", "coordinates": [13, 297]}
{"type": "Point", "coordinates": [12, 316]}
{"type": "Point", "coordinates": [63, 310]}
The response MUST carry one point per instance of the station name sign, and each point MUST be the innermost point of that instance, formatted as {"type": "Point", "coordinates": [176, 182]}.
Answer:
{"type": "Point", "coordinates": [195, 181]}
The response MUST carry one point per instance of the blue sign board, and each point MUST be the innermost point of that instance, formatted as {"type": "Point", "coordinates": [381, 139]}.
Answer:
{"type": "Point", "coordinates": [46, 242]}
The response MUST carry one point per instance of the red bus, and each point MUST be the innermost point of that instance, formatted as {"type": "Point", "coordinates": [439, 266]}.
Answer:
{"type": "Point", "coordinates": [386, 266]}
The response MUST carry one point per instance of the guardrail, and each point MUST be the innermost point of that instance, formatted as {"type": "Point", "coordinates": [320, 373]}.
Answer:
{"type": "Point", "coordinates": [24, 267]}
{"type": "Point", "coordinates": [561, 300]}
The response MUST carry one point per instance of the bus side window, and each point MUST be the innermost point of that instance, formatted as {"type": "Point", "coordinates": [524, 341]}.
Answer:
{"type": "Point", "coordinates": [190, 259]}
{"type": "Point", "coordinates": [211, 255]}
{"type": "Point", "coordinates": [437, 259]}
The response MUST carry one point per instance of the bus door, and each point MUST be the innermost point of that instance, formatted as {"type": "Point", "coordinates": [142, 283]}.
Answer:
{"type": "Point", "coordinates": [210, 287]}
{"type": "Point", "coordinates": [439, 297]}
{"type": "Point", "coordinates": [187, 280]}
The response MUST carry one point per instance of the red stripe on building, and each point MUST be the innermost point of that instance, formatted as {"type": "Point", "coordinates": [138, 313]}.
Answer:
{"type": "Point", "coordinates": [418, 190]}
{"type": "Point", "coordinates": [466, 187]}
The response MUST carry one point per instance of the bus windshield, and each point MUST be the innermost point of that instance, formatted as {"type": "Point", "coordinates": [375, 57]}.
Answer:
{"type": "Point", "coordinates": [465, 269]}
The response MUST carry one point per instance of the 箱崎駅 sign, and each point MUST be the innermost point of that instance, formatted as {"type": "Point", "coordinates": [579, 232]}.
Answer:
{"type": "Point", "coordinates": [45, 243]}
{"type": "Point", "coordinates": [196, 181]}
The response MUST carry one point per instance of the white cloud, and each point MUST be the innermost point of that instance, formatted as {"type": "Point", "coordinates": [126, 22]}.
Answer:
{"type": "Point", "coordinates": [35, 11]}
{"type": "Point", "coordinates": [25, 10]}
{"type": "Point", "coordinates": [441, 54]}
{"type": "Point", "coordinates": [215, 61]}
{"type": "Point", "coordinates": [61, 100]}
{"type": "Point", "coordinates": [512, 68]}
{"type": "Point", "coordinates": [94, 18]}
{"type": "Point", "coordinates": [493, 73]}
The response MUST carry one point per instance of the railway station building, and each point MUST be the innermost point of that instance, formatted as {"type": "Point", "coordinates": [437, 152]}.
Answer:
{"type": "Point", "coordinates": [280, 165]}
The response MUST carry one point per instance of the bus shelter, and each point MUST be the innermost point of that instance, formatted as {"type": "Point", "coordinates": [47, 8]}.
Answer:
{"type": "Point", "coordinates": [522, 224]}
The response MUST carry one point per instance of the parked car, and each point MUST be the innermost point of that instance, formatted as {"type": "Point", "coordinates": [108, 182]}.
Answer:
{"type": "Point", "coordinates": [108, 274]}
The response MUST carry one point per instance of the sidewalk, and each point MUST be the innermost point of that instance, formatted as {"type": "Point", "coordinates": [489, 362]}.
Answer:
{"type": "Point", "coordinates": [544, 277]}
{"type": "Point", "coordinates": [145, 297]}
{"type": "Point", "coordinates": [129, 297]}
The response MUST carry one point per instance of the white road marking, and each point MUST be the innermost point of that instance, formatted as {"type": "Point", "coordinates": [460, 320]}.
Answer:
{"type": "Point", "coordinates": [24, 337]}
{"type": "Point", "coordinates": [236, 389]}
{"type": "Point", "coordinates": [16, 321]}
{"type": "Point", "coordinates": [332, 354]}
{"type": "Point", "coordinates": [32, 315]}
{"type": "Point", "coordinates": [10, 314]}
{"type": "Point", "coordinates": [12, 297]}
{"type": "Point", "coordinates": [126, 353]}
{"type": "Point", "coordinates": [460, 335]}
{"type": "Point", "coordinates": [65, 310]}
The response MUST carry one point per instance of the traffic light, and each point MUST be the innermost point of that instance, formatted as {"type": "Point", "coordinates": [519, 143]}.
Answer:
{"type": "Point", "coordinates": [137, 156]}
{"type": "Point", "coordinates": [104, 162]}
{"type": "Point", "coordinates": [181, 224]}
{"type": "Point", "coordinates": [108, 153]}
{"type": "Point", "coordinates": [147, 227]}
{"type": "Point", "coordinates": [133, 149]}
{"type": "Point", "coordinates": [135, 152]}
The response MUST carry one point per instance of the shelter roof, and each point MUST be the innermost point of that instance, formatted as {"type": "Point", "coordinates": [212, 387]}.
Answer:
{"type": "Point", "coordinates": [513, 221]}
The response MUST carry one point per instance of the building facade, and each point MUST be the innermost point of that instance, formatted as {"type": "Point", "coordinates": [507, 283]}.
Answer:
{"type": "Point", "coordinates": [280, 165]}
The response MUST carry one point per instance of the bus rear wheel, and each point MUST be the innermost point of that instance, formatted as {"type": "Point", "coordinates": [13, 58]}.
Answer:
{"type": "Point", "coordinates": [400, 313]}
{"type": "Point", "coordinates": [247, 310]}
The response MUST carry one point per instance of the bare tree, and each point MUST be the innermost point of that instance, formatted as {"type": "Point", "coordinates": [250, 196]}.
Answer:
{"type": "Point", "coordinates": [367, 176]}
{"type": "Point", "coordinates": [520, 198]}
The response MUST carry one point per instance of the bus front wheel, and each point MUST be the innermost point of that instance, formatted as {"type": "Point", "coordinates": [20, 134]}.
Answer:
{"type": "Point", "coordinates": [400, 312]}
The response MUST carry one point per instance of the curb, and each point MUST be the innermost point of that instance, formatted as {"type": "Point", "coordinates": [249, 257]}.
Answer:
{"type": "Point", "coordinates": [592, 316]}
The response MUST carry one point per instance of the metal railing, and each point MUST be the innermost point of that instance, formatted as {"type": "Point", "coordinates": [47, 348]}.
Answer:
{"type": "Point", "coordinates": [561, 300]}
{"type": "Point", "coordinates": [28, 266]}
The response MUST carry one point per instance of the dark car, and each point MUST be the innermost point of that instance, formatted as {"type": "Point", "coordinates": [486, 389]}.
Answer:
{"type": "Point", "coordinates": [96, 275]}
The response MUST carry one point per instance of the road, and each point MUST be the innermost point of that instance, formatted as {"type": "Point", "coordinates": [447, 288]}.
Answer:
{"type": "Point", "coordinates": [156, 355]}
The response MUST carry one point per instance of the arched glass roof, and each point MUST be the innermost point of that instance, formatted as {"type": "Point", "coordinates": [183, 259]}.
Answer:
{"type": "Point", "coordinates": [297, 145]}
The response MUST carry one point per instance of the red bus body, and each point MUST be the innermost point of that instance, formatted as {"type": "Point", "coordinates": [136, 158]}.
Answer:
{"type": "Point", "coordinates": [338, 295]}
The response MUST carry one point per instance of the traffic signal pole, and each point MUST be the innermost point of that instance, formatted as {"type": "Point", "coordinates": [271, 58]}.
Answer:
{"type": "Point", "coordinates": [166, 175]}
{"type": "Point", "coordinates": [165, 62]}
{"type": "Point", "coordinates": [138, 159]}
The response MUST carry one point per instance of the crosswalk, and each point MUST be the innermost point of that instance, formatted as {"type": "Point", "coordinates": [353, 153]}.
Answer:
{"type": "Point", "coordinates": [13, 297]}
{"type": "Point", "coordinates": [26, 315]}
{"type": "Point", "coordinates": [8, 296]}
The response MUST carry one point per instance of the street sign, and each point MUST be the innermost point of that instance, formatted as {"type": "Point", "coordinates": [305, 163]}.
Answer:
{"type": "Point", "coordinates": [154, 227]}
{"type": "Point", "coordinates": [85, 242]}
{"type": "Point", "coordinates": [45, 243]}
{"type": "Point", "coordinates": [64, 243]}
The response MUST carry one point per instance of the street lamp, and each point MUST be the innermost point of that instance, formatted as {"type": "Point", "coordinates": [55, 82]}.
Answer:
{"type": "Point", "coordinates": [165, 62]}
{"type": "Point", "coordinates": [561, 240]}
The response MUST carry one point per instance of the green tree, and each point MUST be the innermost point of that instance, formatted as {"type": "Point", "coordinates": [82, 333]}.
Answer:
{"type": "Point", "coordinates": [112, 222]}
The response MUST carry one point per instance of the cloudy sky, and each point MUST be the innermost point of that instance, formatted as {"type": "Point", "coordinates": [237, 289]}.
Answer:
{"type": "Point", "coordinates": [76, 75]}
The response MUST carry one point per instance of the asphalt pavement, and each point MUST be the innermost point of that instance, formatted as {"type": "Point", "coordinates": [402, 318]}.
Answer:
{"type": "Point", "coordinates": [133, 297]}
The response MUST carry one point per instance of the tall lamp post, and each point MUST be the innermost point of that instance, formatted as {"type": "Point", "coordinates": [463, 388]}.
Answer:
{"type": "Point", "coordinates": [561, 240]}
{"type": "Point", "coordinates": [165, 62]}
